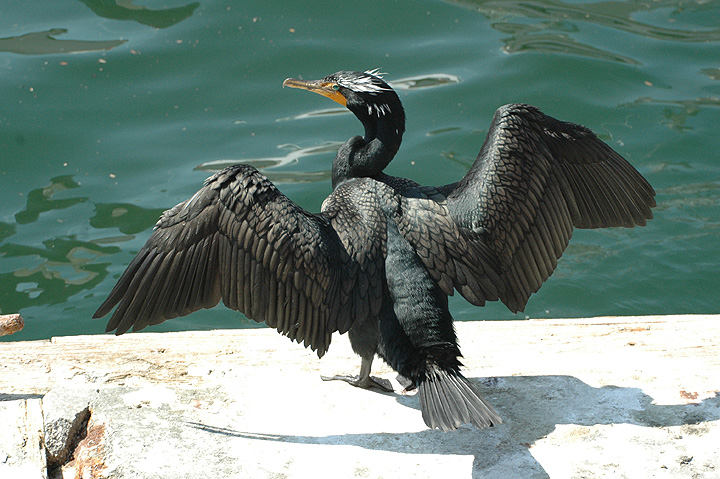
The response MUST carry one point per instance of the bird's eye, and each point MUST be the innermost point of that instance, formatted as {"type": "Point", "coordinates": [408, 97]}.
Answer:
{"type": "Point", "coordinates": [335, 87]}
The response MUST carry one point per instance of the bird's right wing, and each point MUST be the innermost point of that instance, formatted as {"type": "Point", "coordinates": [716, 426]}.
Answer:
{"type": "Point", "coordinates": [241, 240]}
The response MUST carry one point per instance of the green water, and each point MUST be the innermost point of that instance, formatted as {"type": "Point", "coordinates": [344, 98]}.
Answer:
{"type": "Point", "coordinates": [112, 112]}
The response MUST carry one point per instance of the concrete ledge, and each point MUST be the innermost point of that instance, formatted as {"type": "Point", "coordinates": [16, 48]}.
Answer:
{"type": "Point", "coordinates": [600, 397]}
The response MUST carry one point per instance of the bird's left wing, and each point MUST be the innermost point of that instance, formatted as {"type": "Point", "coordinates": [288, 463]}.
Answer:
{"type": "Point", "coordinates": [241, 240]}
{"type": "Point", "coordinates": [535, 179]}
{"type": "Point", "coordinates": [498, 233]}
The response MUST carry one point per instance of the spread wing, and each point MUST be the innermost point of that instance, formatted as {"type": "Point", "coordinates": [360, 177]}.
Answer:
{"type": "Point", "coordinates": [498, 233]}
{"type": "Point", "coordinates": [534, 180]}
{"type": "Point", "coordinates": [241, 240]}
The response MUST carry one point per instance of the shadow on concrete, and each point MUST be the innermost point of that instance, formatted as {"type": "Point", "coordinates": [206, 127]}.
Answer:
{"type": "Point", "coordinates": [16, 397]}
{"type": "Point", "coordinates": [531, 407]}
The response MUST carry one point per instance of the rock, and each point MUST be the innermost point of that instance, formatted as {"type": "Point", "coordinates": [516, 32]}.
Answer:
{"type": "Point", "coordinates": [10, 324]}
{"type": "Point", "coordinates": [66, 412]}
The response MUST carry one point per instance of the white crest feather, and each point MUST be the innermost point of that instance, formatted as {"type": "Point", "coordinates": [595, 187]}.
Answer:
{"type": "Point", "coordinates": [365, 84]}
{"type": "Point", "coordinates": [375, 72]}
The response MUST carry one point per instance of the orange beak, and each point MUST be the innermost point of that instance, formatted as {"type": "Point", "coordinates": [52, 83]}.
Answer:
{"type": "Point", "coordinates": [320, 87]}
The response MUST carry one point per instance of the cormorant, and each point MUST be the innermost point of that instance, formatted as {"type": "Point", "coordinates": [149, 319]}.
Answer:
{"type": "Point", "coordinates": [384, 253]}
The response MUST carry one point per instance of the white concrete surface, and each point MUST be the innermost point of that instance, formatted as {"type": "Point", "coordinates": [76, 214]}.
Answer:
{"type": "Point", "coordinates": [600, 397]}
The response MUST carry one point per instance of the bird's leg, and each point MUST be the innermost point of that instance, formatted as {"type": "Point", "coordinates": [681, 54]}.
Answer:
{"type": "Point", "coordinates": [364, 380]}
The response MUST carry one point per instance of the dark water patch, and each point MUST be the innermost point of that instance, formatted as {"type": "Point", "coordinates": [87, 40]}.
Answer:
{"type": "Point", "coordinates": [62, 267]}
{"type": "Point", "coordinates": [161, 18]}
{"type": "Point", "coordinates": [128, 219]}
{"type": "Point", "coordinates": [40, 200]}
{"type": "Point", "coordinates": [45, 43]}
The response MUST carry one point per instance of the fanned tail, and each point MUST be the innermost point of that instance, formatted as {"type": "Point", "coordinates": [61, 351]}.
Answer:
{"type": "Point", "coordinates": [448, 400]}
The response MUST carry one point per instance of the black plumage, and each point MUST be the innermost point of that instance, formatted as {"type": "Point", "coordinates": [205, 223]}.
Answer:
{"type": "Point", "coordinates": [381, 258]}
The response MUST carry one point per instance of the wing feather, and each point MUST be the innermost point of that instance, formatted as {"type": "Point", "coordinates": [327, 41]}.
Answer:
{"type": "Point", "coordinates": [499, 232]}
{"type": "Point", "coordinates": [452, 255]}
{"type": "Point", "coordinates": [240, 240]}
{"type": "Point", "coordinates": [534, 180]}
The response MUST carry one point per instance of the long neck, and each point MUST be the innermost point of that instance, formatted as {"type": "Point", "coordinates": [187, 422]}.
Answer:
{"type": "Point", "coordinates": [366, 157]}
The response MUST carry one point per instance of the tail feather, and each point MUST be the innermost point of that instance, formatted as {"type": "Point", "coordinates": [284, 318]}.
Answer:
{"type": "Point", "coordinates": [448, 400]}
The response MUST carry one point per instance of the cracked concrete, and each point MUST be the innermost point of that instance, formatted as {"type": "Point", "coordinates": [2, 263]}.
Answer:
{"type": "Point", "coordinates": [599, 397]}
{"type": "Point", "coordinates": [66, 413]}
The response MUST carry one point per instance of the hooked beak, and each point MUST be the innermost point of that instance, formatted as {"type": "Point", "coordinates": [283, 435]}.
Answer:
{"type": "Point", "coordinates": [324, 88]}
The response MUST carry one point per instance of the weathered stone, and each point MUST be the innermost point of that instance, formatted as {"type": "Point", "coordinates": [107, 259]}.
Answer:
{"type": "Point", "coordinates": [89, 458]}
{"type": "Point", "coordinates": [600, 397]}
{"type": "Point", "coordinates": [22, 452]}
{"type": "Point", "coordinates": [67, 412]}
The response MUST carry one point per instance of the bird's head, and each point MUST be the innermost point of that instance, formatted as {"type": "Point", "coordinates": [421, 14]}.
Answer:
{"type": "Point", "coordinates": [364, 93]}
{"type": "Point", "coordinates": [376, 105]}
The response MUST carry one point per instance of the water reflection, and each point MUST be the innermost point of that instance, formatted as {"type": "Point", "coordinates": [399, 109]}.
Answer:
{"type": "Point", "coordinates": [125, 10]}
{"type": "Point", "coordinates": [41, 200]}
{"type": "Point", "coordinates": [6, 230]}
{"type": "Point", "coordinates": [316, 113]}
{"type": "Point", "coordinates": [554, 23]}
{"type": "Point", "coordinates": [62, 265]}
{"type": "Point", "coordinates": [293, 155]}
{"type": "Point", "coordinates": [559, 43]}
{"type": "Point", "coordinates": [431, 80]}
{"type": "Point", "coordinates": [129, 219]}
{"type": "Point", "coordinates": [442, 131]}
{"type": "Point", "coordinates": [61, 268]}
{"type": "Point", "coordinates": [677, 112]}
{"type": "Point", "coordinates": [45, 43]}
{"type": "Point", "coordinates": [712, 73]}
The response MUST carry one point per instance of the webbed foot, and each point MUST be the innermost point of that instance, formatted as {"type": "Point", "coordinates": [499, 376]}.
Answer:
{"type": "Point", "coordinates": [366, 382]}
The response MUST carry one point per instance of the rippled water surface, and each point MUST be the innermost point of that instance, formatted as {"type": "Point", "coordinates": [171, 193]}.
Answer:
{"type": "Point", "coordinates": [112, 111]}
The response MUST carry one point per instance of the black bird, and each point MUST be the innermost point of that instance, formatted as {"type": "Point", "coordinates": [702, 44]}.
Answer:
{"type": "Point", "coordinates": [384, 253]}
